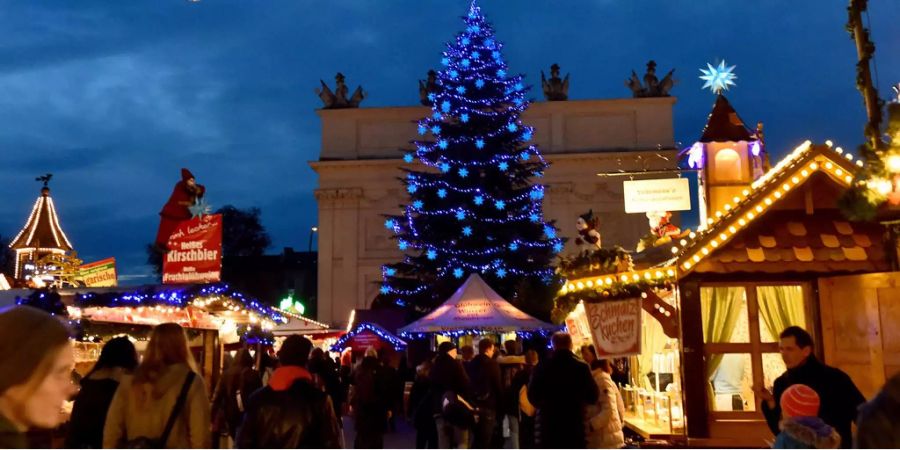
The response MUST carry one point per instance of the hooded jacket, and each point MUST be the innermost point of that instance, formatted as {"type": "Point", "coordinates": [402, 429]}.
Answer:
{"type": "Point", "coordinates": [289, 413]}
{"type": "Point", "coordinates": [806, 432]}
{"type": "Point", "coordinates": [142, 411]}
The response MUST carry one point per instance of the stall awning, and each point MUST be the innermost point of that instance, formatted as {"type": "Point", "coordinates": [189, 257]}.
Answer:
{"type": "Point", "coordinates": [478, 308]}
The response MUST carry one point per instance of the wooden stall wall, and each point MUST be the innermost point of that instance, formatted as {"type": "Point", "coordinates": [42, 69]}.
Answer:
{"type": "Point", "coordinates": [860, 333]}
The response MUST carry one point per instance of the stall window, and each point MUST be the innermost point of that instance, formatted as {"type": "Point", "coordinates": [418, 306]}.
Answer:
{"type": "Point", "coordinates": [741, 325]}
{"type": "Point", "coordinates": [728, 165]}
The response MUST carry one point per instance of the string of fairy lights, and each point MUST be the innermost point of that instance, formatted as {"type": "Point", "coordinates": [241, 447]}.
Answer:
{"type": "Point", "coordinates": [478, 146]}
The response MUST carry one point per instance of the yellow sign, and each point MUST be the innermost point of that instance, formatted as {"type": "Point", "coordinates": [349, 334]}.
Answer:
{"type": "Point", "coordinates": [99, 274]}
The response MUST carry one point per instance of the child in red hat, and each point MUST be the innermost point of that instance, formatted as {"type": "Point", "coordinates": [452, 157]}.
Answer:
{"type": "Point", "coordinates": [800, 425]}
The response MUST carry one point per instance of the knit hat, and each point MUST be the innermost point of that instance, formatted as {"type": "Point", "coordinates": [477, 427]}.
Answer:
{"type": "Point", "coordinates": [186, 175]}
{"type": "Point", "coordinates": [26, 336]}
{"type": "Point", "coordinates": [445, 347]}
{"type": "Point", "coordinates": [800, 400]}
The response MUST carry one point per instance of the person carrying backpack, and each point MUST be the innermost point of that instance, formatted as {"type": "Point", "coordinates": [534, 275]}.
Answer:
{"type": "Point", "coordinates": [164, 405]}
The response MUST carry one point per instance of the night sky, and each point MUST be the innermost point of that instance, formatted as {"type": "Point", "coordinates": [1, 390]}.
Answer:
{"type": "Point", "coordinates": [114, 97]}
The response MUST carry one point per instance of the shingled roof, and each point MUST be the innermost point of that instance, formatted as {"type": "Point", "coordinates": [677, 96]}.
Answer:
{"type": "Point", "coordinates": [775, 223]}
{"type": "Point", "coordinates": [42, 229]}
{"type": "Point", "coordinates": [724, 124]}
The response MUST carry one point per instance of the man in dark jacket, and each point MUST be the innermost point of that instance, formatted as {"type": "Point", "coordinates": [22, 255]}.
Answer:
{"type": "Point", "coordinates": [561, 387]}
{"type": "Point", "coordinates": [487, 390]}
{"type": "Point", "coordinates": [448, 376]}
{"type": "Point", "coordinates": [370, 402]}
{"type": "Point", "coordinates": [290, 412]}
{"type": "Point", "coordinates": [839, 396]}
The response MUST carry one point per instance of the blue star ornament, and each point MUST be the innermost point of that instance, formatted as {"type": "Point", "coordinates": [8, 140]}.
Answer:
{"type": "Point", "coordinates": [200, 208]}
{"type": "Point", "coordinates": [457, 272]}
{"type": "Point", "coordinates": [718, 78]}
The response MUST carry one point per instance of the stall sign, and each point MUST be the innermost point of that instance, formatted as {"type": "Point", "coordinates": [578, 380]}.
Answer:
{"type": "Point", "coordinates": [361, 341]}
{"type": "Point", "coordinates": [667, 194]}
{"type": "Point", "coordinates": [195, 251]}
{"type": "Point", "coordinates": [99, 274]}
{"type": "Point", "coordinates": [615, 327]}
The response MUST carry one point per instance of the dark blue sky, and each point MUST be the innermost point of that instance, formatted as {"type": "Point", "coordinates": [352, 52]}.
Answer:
{"type": "Point", "coordinates": [114, 97]}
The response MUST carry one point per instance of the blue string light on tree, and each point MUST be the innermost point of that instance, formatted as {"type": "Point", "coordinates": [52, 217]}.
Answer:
{"type": "Point", "coordinates": [478, 183]}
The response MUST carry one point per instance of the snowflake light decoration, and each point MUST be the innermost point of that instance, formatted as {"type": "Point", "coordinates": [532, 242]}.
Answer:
{"type": "Point", "coordinates": [718, 78]}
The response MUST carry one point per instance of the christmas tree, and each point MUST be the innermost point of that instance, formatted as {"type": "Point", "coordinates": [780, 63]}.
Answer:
{"type": "Point", "coordinates": [474, 208]}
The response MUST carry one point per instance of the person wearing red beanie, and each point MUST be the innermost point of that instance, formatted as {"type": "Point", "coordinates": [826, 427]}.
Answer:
{"type": "Point", "coordinates": [800, 425]}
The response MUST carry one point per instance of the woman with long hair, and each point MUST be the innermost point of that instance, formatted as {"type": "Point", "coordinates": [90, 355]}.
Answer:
{"type": "Point", "coordinates": [36, 361]}
{"type": "Point", "coordinates": [117, 359]}
{"type": "Point", "coordinates": [234, 389]}
{"type": "Point", "coordinates": [164, 405]}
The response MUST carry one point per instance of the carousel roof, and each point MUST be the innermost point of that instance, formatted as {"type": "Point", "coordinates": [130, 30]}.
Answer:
{"type": "Point", "coordinates": [477, 307]}
{"type": "Point", "coordinates": [42, 229]}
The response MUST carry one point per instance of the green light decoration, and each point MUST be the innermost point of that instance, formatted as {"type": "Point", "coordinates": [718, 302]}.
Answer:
{"type": "Point", "coordinates": [289, 304]}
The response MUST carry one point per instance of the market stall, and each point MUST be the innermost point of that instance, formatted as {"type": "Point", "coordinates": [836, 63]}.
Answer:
{"type": "Point", "coordinates": [774, 248]}
{"type": "Point", "coordinates": [475, 308]}
{"type": "Point", "coordinates": [779, 254]}
{"type": "Point", "coordinates": [212, 315]}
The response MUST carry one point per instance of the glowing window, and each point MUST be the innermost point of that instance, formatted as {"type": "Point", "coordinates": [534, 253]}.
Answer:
{"type": "Point", "coordinates": [728, 165]}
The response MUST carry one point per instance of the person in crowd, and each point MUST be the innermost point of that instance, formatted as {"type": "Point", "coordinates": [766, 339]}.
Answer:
{"type": "Point", "coordinates": [511, 363]}
{"type": "Point", "coordinates": [467, 353]}
{"type": "Point", "coordinates": [290, 412]}
{"type": "Point", "coordinates": [561, 388]}
{"type": "Point", "coordinates": [36, 359]}
{"type": "Point", "coordinates": [393, 385]}
{"type": "Point", "coordinates": [448, 378]}
{"type": "Point", "coordinates": [117, 359]}
{"type": "Point", "coordinates": [267, 366]}
{"type": "Point", "coordinates": [234, 389]}
{"type": "Point", "coordinates": [877, 422]}
{"type": "Point", "coordinates": [524, 409]}
{"type": "Point", "coordinates": [346, 376]}
{"type": "Point", "coordinates": [370, 402]}
{"type": "Point", "coordinates": [605, 418]}
{"type": "Point", "coordinates": [800, 425]}
{"type": "Point", "coordinates": [839, 396]}
{"type": "Point", "coordinates": [487, 391]}
{"type": "Point", "coordinates": [327, 377]}
{"type": "Point", "coordinates": [164, 403]}
{"type": "Point", "coordinates": [419, 407]}
{"type": "Point", "coordinates": [589, 355]}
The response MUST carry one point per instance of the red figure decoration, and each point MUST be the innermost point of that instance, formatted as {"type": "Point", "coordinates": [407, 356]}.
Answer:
{"type": "Point", "coordinates": [176, 210]}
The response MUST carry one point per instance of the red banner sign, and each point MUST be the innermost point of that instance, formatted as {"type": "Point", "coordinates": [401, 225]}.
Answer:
{"type": "Point", "coordinates": [615, 327]}
{"type": "Point", "coordinates": [195, 251]}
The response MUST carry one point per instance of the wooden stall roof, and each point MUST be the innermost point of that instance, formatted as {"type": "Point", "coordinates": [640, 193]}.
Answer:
{"type": "Point", "coordinates": [785, 240]}
{"type": "Point", "coordinates": [788, 221]}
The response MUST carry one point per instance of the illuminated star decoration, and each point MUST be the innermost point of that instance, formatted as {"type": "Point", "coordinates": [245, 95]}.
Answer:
{"type": "Point", "coordinates": [718, 78]}
{"type": "Point", "coordinates": [200, 208]}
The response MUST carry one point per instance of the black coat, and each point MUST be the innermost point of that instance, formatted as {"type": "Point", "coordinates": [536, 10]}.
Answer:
{"type": "Point", "coordinates": [447, 374]}
{"type": "Point", "coordinates": [225, 399]}
{"type": "Point", "coordinates": [560, 388]}
{"type": "Point", "coordinates": [89, 412]}
{"type": "Point", "coordinates": [839, 398]}
{"type": "Point", "coordinates": [487, 389]}
{"type": "Point", "coordinates": [298, 417]}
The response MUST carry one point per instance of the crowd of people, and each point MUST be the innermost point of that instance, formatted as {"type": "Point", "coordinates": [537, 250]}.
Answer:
{"type": "Point", "coordinates": [493, 398]}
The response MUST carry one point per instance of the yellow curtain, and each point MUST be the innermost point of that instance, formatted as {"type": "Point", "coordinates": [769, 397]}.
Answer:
{"type": "Point", "coordinates": [721, 308]}
{"type": "Point", "coordinates": [653, 340]}
{"type": "Point", "coordinates": [781, 307]}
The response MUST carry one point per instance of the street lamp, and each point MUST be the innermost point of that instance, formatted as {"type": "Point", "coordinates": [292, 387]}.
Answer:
{"type": "Point", "coordinates": [312, 231]}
